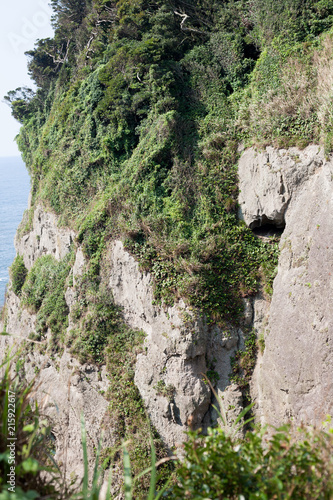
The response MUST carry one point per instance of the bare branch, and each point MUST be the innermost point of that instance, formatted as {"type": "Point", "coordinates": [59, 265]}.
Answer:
{"type": "Point", "coordinates": [184, 28]}
{"type": "Point", "coordinates": [59, 60]}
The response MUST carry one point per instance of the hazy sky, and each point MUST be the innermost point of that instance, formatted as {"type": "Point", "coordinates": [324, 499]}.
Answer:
{"type": "Point", "coordinates": [21, 23]}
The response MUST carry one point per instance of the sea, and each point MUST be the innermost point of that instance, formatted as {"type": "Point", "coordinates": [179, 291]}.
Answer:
{"type": "Point", "coordinates": [14, 193]}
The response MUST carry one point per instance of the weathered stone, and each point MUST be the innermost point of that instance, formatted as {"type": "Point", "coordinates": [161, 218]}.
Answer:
{"type": "Point", "coordinates": [269, 179]}
{"type": "Point", "coordinates": [168, 373]}
{"type": "Point", "coordinates": [45, 238]}
{"type": "Point", "coordinates": [176, 348]}
{"type": "Point", "coordinates": [65, 388]}
{"type": "Point", "coordinates": [293, 378]}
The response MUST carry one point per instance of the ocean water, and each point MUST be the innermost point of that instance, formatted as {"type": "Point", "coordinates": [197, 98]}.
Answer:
{"type": "Point", "coordinates": [14, 192]}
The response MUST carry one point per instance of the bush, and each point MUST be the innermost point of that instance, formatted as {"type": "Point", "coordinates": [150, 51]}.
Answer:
{"type": "Point", "coordinates": [262, 466]}
{"type": "Point", "coordinates": [44, 293]}
{"type": "Point", "coordinates": [18, 274]}
{"type": "Point", "coordinates": [39, 281]}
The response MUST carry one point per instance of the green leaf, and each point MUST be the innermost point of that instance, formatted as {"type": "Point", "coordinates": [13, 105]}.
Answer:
{"type": "Point", "coordinates": [30, 465]}
{"type": "Point", "coordinates": [29, 428]}
{"type": "Point", "coordinates": [127, 474]}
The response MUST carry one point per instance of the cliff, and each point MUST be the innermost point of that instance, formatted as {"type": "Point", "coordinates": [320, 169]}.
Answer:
{"type": "Point", "coordinates": [179, 222]}
{"type": "Point", "coordinates": [281, 188]}
{"type": "Point", "coordinates": [179, 347]}
{"type": "Point", "coordinates": [292, 189]}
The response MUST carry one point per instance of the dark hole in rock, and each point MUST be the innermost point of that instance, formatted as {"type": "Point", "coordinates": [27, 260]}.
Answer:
{"type": "Point", "coordinates": [268, 231]}
{"type": "Point", "coordinates": [263, 221]}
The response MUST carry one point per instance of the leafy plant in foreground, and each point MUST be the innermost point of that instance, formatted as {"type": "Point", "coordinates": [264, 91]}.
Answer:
{"type": "Point", "coordinates": [32, 440]}
{"type": "Point", "coordinates": [262, 466]}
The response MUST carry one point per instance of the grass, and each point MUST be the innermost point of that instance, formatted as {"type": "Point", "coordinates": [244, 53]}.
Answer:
{"type": "Point", "coordinates": [21, 418]}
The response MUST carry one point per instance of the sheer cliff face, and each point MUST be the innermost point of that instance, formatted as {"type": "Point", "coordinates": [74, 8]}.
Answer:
{"type": "Point", "coordinates": [293, 378]}
{"type": "Point", "coordinates": [178, 347]}
{"type": "Point", "coordinates": [289, 189]}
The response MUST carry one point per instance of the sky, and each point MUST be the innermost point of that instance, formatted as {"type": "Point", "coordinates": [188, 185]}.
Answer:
{"type": "Point", "coordinates": [22, 22]}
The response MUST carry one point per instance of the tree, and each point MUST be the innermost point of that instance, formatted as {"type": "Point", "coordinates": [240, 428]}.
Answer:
{"type": "Point", "coordinates": [69, 14]}
{"type": "Point", "coordinates": [45, 60]}
{"type": "Point", "coordinates": [20, 101]}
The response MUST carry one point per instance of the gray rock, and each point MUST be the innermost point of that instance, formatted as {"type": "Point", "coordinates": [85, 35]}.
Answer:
{"type": "Point", "coordinates": [65, 388]}
{"type": "Point", "coordinates": [45, 238]}
{"type": "Point", "coordinates": [168, 374]}
{"type": "Point", "coordinates": [268, 180]}
{"type": "Point", "coordinates": [176, 347]}
{"type": "Point", "coordinates": [294, 377]}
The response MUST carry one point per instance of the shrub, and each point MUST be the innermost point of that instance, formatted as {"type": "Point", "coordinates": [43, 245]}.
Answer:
{"type": "Point", "coordinates": [262, 466]}
{"type": "Point", "coordinates": [44, 293]}
{"type": "Point", "coordinates": [39, 281]}
{"type": "Point", "coordinates": [18, 274]}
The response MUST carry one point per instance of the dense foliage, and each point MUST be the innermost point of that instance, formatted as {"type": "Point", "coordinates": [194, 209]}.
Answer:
{"type": "Point", "coordinates": [135, 126]}
{"type": "Point", "coordinates": [43, 293]}
{"type": "Point", "coordinates": [261, 467]}
{"type": "Point", "coordinates": [134, 131]}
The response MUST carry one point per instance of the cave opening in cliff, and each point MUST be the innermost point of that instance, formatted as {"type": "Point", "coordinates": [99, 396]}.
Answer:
{"type": "Point", "coordinates": [268, 231]}
{"type": "Point", "coordinates": [268, 228]}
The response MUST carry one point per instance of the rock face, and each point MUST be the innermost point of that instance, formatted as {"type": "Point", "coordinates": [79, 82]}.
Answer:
{"type": "Point", "coordinates": [269, 180]}
{"type": "Point", "coordinates": [179, 348]}
{"type": "Point", "coordinates": [293, 378]}
{"type": "Point", "coordinates": [45, 238]}
{"type": "Point", "coordinates": [65, 388]}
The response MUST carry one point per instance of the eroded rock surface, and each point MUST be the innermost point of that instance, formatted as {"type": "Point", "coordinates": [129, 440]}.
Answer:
{"type": "Point", "coordinates": [65, 388]}
{"type": "Point", "coordinates": [268, 181]}
{"type": "Point", "coordinates": [44, 238]}
{"type": "Point", "coordinates": [177, 348]}
{"type": "Point", "coordinates": [294, 377]}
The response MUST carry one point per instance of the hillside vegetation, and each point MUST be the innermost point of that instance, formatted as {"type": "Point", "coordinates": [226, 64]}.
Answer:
{"type": "Point", "coordinates": [141, 111]}
{"type": "Point", "coordinates": [135, 127]}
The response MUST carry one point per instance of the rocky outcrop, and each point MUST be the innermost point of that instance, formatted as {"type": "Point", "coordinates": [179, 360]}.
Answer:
{"type": "Point", "coordinates": [293, 378]}
{"type": "Point", "coordinates": [43, 238]}
{"type": "Point", "coordinates": [66, 389]}
{"type": "Point", "coordinates": [291, 190]}
{"type": "Point", "coordinates": [270, 179]}
{"type": "Point", "coordinates": [178, 346]}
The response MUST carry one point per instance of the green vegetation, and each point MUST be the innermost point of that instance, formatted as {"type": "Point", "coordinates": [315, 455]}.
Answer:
{"type": "Point", "coordinates": [18, 274]}
{"type": "Point", "coordinates": [167, 391]}
{"type": "Point", "coordinates": [44, 293]}
{"type": "Point", "coordinates": [262, 466]}
{"type": "Point", "coordinates": [95, 317]}
{"type": "Point", "coordinates": [134, 132]}
{"type": "Point", "coordinates": [136, 138]}
{"type": "Point", "coordinates": [244, 363]}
